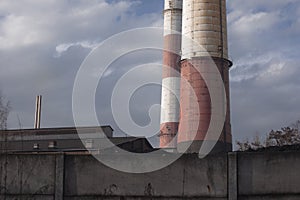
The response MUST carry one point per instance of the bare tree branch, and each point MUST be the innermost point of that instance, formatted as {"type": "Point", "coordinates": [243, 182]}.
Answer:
{"type": "Point", "coordinates": [283, 137]}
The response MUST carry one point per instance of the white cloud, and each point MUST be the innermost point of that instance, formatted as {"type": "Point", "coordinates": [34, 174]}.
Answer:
{"type": "Point", "coordinates": [273, 71]}
{"type": "Point", "coordinates": [19, 31]}
{"type": "Point", "coordinates": [61, 48]}
{"type": "Point", "coordinates": [254, 23]}
{"type": "Point", "coordinates": [30, 22]}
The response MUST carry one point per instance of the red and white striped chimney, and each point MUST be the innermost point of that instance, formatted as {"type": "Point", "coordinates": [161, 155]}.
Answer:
{"type": "Point", "coordinates": [204, 22]}
{"type": "Point", "coordinates": [171, 73]}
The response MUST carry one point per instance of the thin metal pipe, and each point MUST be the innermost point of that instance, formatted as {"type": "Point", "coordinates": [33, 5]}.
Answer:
{"type": "Point", "coordinates": [38, 112]}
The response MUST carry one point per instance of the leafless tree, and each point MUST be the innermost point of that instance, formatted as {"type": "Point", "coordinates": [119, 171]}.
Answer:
{"type": "Point", "coordinates": [247, 144]}
{"type": "Point", "coordinates": [243, 146]}
{"type": "Point", "coordinates": [284, 136]}
{"type": "Point", "coordinates": [256, 143]}
{"type": "Point", "coordinates": [296, 126]}
{"type": "Point", "coordinates": [4, 112]}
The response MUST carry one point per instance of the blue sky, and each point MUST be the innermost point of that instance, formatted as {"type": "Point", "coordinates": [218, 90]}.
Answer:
{"type": "Point", "coordinates": [43, 43]}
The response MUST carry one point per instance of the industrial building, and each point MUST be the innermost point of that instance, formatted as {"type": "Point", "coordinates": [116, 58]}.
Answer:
{"type": "Point", "coordinates": [67, 140]}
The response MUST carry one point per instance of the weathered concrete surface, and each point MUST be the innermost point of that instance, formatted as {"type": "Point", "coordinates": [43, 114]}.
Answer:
{"type": "Point", "coordinates": [27, 197]}
{"type": "Point", "coordinates": [243, 176]}
{"type": "Point", "coordinates": [189, 176]}
{"type": "Point", "coordinates": [232, 176]}
{"type": "Point", "coordinates": [27, 174]}
{"type": "Point", "coordinates": [269, 173]}
{"type": "Point", "coordinates": [270, 197]}
{"type": "Point", "coordinates": [141, 198]}
{"type": "Point", "coordinates": [59, 177]}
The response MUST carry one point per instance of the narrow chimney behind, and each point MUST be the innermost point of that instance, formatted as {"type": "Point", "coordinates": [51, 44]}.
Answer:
{"type": "Point", "coordinates": [38, 111]}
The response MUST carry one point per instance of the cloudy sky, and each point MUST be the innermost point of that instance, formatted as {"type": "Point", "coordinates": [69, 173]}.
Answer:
{"type": "Point", "coordinates": [44, 42]}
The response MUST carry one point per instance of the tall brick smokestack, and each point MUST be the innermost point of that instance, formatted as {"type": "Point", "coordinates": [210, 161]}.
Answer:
{"type": "Point", "coordinates": [171, 73]}
{"type": "Point", "coordinates": [204, 21]}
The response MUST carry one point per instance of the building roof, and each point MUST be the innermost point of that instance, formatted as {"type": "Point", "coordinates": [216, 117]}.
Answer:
{"type": "Point", "coordinates": [67, 139]}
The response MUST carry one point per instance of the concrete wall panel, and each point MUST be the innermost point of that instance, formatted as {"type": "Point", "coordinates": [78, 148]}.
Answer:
{"type": "Point", "coordinates": [269, 173]}
{"type": "Point", "coordinates": [27, 197]}
{"type": "Point", "coordinates": [189, 176]}
{"type": "Point", "coordinates": [27, 174]}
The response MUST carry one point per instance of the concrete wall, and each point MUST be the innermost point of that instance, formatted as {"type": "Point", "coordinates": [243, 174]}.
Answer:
{"type": "Point", "coordinates": [235, 176]}
{"type": "Point", "coordinates": [269, 175]}
{"type": "Point", "coordinates": [30, 175]}
{"type": "Point", "coordinates": [87, 177]}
